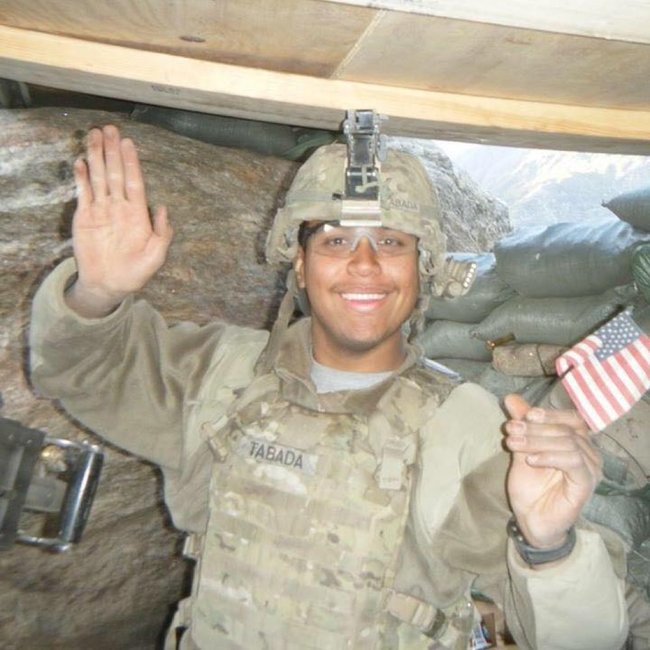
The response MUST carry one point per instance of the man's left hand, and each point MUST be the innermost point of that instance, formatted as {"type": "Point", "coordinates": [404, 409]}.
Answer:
{"type": "Point", "coordinates": [555, 469]}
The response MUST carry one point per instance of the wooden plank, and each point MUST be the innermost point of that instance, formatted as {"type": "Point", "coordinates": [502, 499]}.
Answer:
{"type": "Point", "coordinates": [462, 57]}
{"type": "Point", "coordinates": [167, 80]}
{"type": "Point", "coordinates": [300, 36]}
{"type": "Point", "coordinates": [608, 19]}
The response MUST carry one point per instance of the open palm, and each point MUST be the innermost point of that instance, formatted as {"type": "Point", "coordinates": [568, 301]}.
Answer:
{"type": "Point", "coordinates": [117, 247]}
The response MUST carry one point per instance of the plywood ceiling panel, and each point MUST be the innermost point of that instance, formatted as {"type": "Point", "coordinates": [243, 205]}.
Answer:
{"type": "Point", "coordinates": [163, 79]}
{"type": "Point", "coordinates": [300, 36]}
{"type": "Point", "coordinates": [305, 61]}
{"type": "Point", "coordinates": [490, 60]}
{"type": "Point", "coordinates": [608, 19]}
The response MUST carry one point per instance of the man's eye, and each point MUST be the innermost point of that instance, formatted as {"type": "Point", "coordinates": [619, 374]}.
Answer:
{"type": "Point", "coordinates": [391, 242]}
{"type": "Point", "coordinates": [335, 242]}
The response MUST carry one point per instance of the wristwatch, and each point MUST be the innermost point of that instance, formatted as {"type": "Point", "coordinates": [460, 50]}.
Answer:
{"type": "Point", "coordinates": [534, 556]}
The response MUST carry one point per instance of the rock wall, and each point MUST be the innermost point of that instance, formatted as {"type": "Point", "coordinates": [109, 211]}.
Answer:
{"type": "Point", "coordinates": [117, 588]}
{"type": "Point", "coordinates": [473, 220]}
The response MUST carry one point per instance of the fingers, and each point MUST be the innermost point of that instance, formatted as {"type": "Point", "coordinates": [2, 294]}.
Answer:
{"type": "Point", "coordinates": [556, 446]}
{"type": "Point", "coordinates": [516, 406]}
{"type": "Point", "coordinates": [158, 245]}
{"type": "Point", "coordinates": [114, 167]}
{"type": "Point", "coordinates": [161, 226]}
{"type": "Point", "coordinates": [519, 409]}
{"type": "Point", "coordinates": [84, 191]}
{"type": "Point", "coordinates": [569, 418]}
{"type": "Point", "coordinates": [96, 165]}
{"type": "Point", "coordinates": [113, 161]}
{"type": "Point", "coordinates": [534, 442]}
{"type": "Point", "coordinates": [134, 181]}
{"type": "Point", "coordinates": [550, 438]}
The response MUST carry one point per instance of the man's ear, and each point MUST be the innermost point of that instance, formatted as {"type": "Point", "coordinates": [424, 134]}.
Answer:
{"type": "Point", "coordinates": [299, 267]}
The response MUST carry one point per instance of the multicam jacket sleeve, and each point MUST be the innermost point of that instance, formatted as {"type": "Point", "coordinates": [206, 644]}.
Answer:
{"type": "Point", "coordinates": [130, 377]}
{"type": "Point", "coordinates": [577, 604]}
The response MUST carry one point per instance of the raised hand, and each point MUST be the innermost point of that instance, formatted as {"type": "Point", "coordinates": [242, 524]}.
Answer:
{"type": "Point", "coordinates": [555, 469]}
{"type": "Point", "coordinates": [117, 247]}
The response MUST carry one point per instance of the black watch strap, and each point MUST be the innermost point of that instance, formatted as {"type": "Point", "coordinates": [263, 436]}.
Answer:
{"type": "Point", "coordinates": [533, 556]}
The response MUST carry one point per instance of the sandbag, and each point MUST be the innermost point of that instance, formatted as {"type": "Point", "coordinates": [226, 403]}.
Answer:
{"type": "Point", "coordinates": [500, 384]}
{"type": "Point", "coordinates": [449, 339]}
{"type": "Point", "coordinates": [556, 321]}
{"type": "Point", "coordinates": [568, 259]}
{"type": "Point", "coordinates": [264, 137]}
{"type": "Point", "coordinates": [629, 438]}
{"type": "Point", "coordinates": [632, 207]}
{"type": "Point", "coordinates": [486, 293]}
{"type": "Point", "coordinates": [626, 513]}
{"type": "Point", "coordinates": [638, 569]}
{"type": "Point", "coordinates": [526, 359]}
{"type": "Point", "coordinates": [641, 269]}
{"type": "Point", "coordinates": [468, 369]}
{"type": "Point", "coordinates": [641, 316]}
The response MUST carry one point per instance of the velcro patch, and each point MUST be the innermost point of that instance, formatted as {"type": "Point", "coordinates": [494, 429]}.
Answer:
{"type": "Point", "coordinates": [263, 451]}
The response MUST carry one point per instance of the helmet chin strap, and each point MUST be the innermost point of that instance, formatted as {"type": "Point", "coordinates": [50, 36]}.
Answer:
{"type": "Point", "coordinates": [285, 312]}
{"type": "Point", "coordinates": [417, 320]}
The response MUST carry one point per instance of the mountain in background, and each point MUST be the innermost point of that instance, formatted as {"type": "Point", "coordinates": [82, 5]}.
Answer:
{"type": "Point", "coordinates": [543, 186]}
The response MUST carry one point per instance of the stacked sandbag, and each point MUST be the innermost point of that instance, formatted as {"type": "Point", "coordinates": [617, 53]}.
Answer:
{"type": "Point", "coordinates": [449, 336]}
{"type": "Point", "coordinates": [568, 259]}
{"type": "Point", "coordinates": [452, 320]}
{"type": "Point", "coordinates": [540, 292]}
{"type": "Point", "coordinates": [632, 207]}
{"type": "Point", "coordinates": [560, 321]}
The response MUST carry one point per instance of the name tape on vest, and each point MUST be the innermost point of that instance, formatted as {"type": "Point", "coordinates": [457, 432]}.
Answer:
{"type": "Point", "coordinates": [265, 452]}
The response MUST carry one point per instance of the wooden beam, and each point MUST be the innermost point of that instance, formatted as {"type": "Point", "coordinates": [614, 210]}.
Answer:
{"type": "Point", "coordinates": [609, 19]}
{"type": "Point", "coordinates": [192, 84]}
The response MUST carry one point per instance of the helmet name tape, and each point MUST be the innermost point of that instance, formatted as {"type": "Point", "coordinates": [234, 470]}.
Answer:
{"type": "Point", "coordinates": [404, 204]}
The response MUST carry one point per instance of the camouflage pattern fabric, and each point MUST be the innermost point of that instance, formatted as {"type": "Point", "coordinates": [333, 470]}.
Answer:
{"type": "Point", "coordinates": [307, 515]}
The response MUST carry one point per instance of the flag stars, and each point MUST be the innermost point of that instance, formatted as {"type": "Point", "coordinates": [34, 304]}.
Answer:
{"type": "Point", "coordinates": [616, 335]}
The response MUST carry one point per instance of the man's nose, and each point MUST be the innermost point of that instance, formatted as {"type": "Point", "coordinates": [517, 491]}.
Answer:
{"type": "Point", "coordinates": [363, 257]}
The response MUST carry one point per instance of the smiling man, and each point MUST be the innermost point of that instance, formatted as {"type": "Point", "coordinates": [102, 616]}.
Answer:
{"type": "Point", "coordinates": [338, 489]}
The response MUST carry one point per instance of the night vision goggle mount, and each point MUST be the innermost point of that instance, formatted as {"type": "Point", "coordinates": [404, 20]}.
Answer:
{"type": "Point", "coordinates": [365, 151]}
{"type": "Point", "coordinates": [53, 477]}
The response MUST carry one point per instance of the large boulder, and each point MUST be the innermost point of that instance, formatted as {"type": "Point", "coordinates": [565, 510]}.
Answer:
{"type": "Point", "coordinates": [117, 588]}
{"type": "Point", "coordinates": [472, 220]}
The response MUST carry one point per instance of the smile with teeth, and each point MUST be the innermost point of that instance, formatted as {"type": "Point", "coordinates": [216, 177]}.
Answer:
{"type": "Point", "coordinates": [368, 297]}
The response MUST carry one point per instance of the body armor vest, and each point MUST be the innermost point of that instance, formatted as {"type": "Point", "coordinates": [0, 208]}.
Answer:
{"type": "Point", "coordinates": [307, 516]}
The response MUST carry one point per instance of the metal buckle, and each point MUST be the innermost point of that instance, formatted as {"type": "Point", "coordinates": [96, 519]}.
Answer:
{"type": "Point", "coordinates": [365, 149]}
{"type": "Point", "coordinates": [54, 477]}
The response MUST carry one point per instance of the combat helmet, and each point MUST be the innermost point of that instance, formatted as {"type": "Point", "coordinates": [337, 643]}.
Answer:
{"type": "Point", "coordinates": [366, 183]}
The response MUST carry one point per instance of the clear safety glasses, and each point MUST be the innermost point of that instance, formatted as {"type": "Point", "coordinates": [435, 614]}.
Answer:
{"type": "Point", "coordinates": [342, 241]}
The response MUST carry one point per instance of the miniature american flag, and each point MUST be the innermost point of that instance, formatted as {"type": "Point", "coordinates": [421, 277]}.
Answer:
{"type": "Point", "coordinates": [608, 372]}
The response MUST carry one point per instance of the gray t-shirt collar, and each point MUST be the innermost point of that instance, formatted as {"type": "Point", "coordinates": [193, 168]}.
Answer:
{"type": "Point", "coordinates": [331, 380]}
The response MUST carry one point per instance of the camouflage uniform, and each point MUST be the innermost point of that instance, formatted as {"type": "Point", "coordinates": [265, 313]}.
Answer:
{"type": "Point", "coordinates": [194, 417]}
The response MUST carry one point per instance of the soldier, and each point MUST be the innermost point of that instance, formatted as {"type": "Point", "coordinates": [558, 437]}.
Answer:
{"type": "Point", "coordinates": [338, 490]}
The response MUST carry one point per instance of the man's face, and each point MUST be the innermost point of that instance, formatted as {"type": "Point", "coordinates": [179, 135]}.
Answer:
{"type": "Point", "coordinates": [362, 285]}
